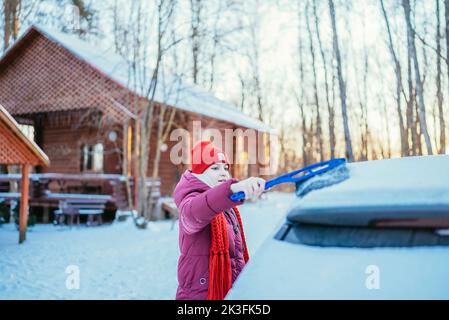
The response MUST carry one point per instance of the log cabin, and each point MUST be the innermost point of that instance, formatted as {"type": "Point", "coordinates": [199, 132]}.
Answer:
{"type": "Point", "coordinates": [77, 101]}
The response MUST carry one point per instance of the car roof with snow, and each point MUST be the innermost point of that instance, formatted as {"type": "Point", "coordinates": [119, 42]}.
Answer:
{"type": "Point", "coordinates": [402, 188]}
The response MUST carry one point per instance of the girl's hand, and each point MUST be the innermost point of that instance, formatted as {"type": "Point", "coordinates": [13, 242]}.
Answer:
{"type": "Point", "coordinates": [252, 187]}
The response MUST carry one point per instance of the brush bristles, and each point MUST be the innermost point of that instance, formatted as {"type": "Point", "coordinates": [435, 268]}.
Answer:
{"type": "Point", "coordinates": [326, 179]}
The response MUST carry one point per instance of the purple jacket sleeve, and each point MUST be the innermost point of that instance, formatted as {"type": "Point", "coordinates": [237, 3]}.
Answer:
{"type": "Point", "coordinates": [197, 209]}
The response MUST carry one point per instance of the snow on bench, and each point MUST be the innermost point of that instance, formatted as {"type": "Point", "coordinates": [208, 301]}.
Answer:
{"type": "Point", "coordinates": [9, 196]}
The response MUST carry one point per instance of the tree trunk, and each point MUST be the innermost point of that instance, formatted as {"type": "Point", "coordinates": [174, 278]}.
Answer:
{"type": "Point", "coordinates": [387, 124]}
{"type": "Point", "coordinates": [157, 158]}
{"type": "Point", "coordinates": [419, 85]}
{"type": "Point", "coordinates": [398, 73]}
{"type": "Point", "coordinates": [418, 128]}
{"type": "Point", "coordinates": [446, 14]}
{"type": "Point", "coordinates": [411, 125]}
{"type": "Point", "coordinates": [300, 98]}
{"type": "Point", "coordinates": [439, 91]}
{"type": "Point", "coordinates": [319, 136]}
{"type": "Point", "coordinates": [341, 84]}
{"type": "Point", "coordinates": [364, 108]}
{"type": "Point", "coordinates": [11, 11]}
{"type": "Point", "coordinates": [6, 24]}
{"type": "Point", "coordinates": [195, 9]}
{"type": "Point", "coordinates": [163, 131]}
{"type": "Point", "coordinates": [165, 14]}
{"type": "Point", "coordinates": [330, 107]}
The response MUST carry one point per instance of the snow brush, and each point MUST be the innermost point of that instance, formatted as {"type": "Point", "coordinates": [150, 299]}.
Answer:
{"type": "Point", "coordinates": [315, 176]}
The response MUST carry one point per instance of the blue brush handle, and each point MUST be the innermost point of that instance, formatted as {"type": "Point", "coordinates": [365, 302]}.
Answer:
{"type": "Point", "coordinates": [297, 175]}
{"type": "Point", "coordinates": [237, 196]}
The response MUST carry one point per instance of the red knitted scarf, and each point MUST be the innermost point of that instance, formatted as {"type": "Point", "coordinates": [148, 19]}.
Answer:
{"type": "Point", "coordinates": [220, 273]}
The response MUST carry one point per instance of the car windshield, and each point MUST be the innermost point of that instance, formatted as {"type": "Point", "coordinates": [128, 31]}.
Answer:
{"type": "Point", "coordinates": [362, 237]}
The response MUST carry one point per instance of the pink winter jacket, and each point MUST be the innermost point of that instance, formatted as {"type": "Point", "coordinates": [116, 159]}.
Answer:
{"type": "Point", "coordinates": [198, 204]}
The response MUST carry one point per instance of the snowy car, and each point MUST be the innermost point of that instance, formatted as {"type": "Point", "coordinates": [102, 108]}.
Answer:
{"type": "Point", "coordinates": [380, 234]}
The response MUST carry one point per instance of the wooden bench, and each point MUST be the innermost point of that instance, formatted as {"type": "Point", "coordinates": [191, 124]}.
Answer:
{"type": "Point", "coordinates": [42, 186]}
{"type": "Point", "coordinates": [8, 196]}
{"type": "Point", "coordinates": [91, 213]}
{"type": "Point", "coordinates": [74, 205]}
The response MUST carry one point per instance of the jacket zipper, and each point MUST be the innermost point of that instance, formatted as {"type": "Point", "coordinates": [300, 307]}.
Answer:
{"type": "Point", "coordinates": [236, 229]}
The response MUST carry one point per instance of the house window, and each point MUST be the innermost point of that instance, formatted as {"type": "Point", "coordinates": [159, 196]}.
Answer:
{"type": "Point", "coordinates": [98, 157]}
{"type": "Point", "coordinates": [28, 130]}
{"type": "Point", "coordinates": [92, 157]}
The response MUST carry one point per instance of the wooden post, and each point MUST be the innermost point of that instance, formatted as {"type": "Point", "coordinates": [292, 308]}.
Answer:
{"type": "Point", "coordinates": [129, 151]}
{"type": "Point", "coordinates": [136, 165]}
{"type": "Point", "coordinates": [23, 215]}
{"type": "Point", "coordinates": [125, 150]}
{"type": "Point", "coordinates": [127, 161]}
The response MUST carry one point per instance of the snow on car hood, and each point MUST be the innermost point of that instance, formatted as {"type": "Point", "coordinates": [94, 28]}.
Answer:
{"type": "Point", "coordinates": [404, 187]}
{"type": "Point", "coordinates": [282, 270]}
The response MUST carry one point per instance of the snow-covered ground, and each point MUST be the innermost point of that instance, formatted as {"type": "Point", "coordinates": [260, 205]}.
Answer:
{"type": "Point", "coordinates": [114, 261]}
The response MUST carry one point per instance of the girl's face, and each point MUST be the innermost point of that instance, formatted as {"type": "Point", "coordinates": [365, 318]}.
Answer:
{"type": "Point", "coordinates": [218, 173]}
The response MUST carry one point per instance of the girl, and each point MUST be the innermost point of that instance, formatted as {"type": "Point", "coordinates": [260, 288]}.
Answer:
{"type": "Point", "coordinates": [211, 238]}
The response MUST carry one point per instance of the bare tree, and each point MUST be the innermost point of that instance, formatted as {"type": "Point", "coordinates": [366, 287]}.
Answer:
{"type": "Point", "coordinates": [398, 73]}
{"type": "Point", "coordinates": [387, 127]}
{"type": "Point", "coordinates": [419, 84]}
{"type": "Point", "coordinates": [330, 107]}
{"type": "Point", "coordinates": [446, 14]}
{"type": "Point", "coordinates": [11, 24]}
{"type": "Point", "coordinates": [196, 7]}
{"type": "Point", "coordinates": [165, 122]}
{"type": "Point", "coordinates": [215, 43]}
{"type": "Point", "coordinates": [438, 80]}
{"type": "Point", "coordinates": [164, 127]}
{"type": "Point", "coordinates": [256, 71]}
{"type": "Point", "coordinates": [225, 24]}
{"type": "Point", "coordinates": [210, 28]}
{"type": "Point", "coordinates": [315, 87]}
{"type": "Point", "coordinates": [363, 103]}
{"type": "Point", "coordinates": [132, 40]}
{"type": "Point", "coordinates": [410, 113]}
{"type": "Point", "coordinates": [299, 94]}
{"type": "Point", "coordinates": [165, 9]}
{"type": "Point", "coordinates": [242, 90]}
{"type": "Point", "coordinates": [253, 55]}
{"type": "Point", "coordinates": [341, 83]}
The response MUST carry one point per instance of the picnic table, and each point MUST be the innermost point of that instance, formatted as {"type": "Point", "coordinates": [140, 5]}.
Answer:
{"type": "Point", "coordinates": [53, 190]}
{"type": "Point", "coordinates": [73, 205]}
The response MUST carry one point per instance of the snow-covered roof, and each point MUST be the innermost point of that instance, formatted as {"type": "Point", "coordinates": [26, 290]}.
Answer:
{"type": "Point", "coordinates": [405, 187]}
{"type": "Point", "coordinates": [173, 92]}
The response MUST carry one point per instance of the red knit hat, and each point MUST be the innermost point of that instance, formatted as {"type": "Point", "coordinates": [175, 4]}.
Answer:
{"type": "Point", "coordinates": [205, 154]}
